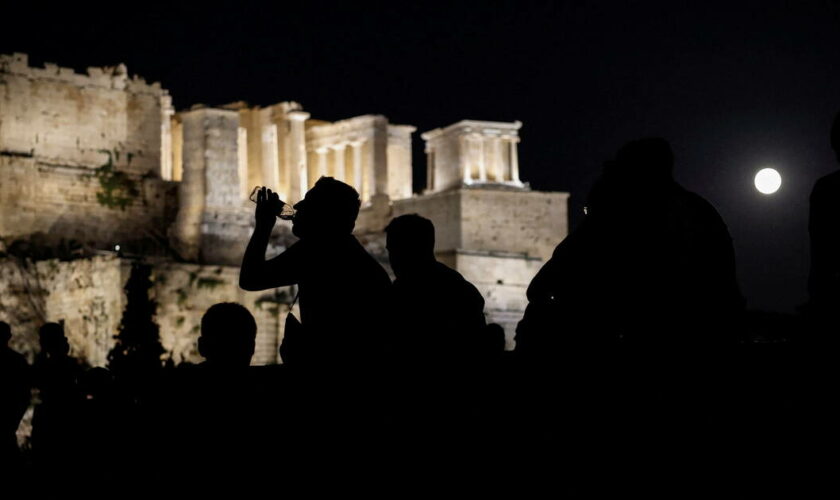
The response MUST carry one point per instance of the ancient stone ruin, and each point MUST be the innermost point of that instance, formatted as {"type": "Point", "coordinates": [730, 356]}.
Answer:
{"type": "Point", "coordinates": [97, 170]}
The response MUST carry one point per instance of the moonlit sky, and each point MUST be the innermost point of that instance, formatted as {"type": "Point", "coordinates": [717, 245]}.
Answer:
{"type": "Point", "coordinates": [734, 86]}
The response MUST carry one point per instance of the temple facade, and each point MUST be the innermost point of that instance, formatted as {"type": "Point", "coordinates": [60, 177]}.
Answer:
{"type": "Point", "coordinates": [98, 170]}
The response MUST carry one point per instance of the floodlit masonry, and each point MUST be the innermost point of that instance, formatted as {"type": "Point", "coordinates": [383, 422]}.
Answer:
{"type": "Point", "coordinates": [91, 161]}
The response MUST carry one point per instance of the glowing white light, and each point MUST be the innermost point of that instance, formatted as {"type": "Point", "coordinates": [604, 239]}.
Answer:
{"type": "Point", "coordinates": [116, 248]}
{"type": "Point", "coordinates": [768, 181]}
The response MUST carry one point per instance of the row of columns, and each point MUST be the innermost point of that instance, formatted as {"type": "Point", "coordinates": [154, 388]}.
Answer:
{"type": "Point", "coordinates": [357, 173]}
{"type": "Point", "coordinates": [281, 157]}
{"type": "Point", "coordinates": [489, 158]}
{"type": "Point", "coordinates": [295, 175]}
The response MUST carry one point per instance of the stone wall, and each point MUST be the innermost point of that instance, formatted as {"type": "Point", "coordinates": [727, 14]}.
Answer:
{"type": "Point", "coordinates": [66, 202]}
{"type": "Point", "coordinates": [65, 118]}
{"type": "Point", "coordinates": [81, 155]}
{"type": "Point", "coordinates": [502, 279]}
{"type": "Point", "coordinates": [493, 220]}
{"type": "Point", "coordinates": [526, 222]}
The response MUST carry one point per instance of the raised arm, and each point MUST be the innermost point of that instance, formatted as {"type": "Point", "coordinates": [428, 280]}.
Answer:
{"type": "Point", "coordinates": [256, 273]}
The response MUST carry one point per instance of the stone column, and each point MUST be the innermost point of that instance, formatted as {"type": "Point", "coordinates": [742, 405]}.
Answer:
{"type": "Point", "coordinates": [177, 150]}
{"type": "Point", "coordinates": [465, 158]}
{"type": "Point", "coordinates": [297, 156]}
{"type": "Point", "coordinates": [270, 163]}
{"type": "Point", "coordinates": [322, 162]}
{"type": "Point", "coordinates": [185, 233]}
{"type": "Point", "coordinates": [357, 166]}
{"type": "Point", "coordinates": [166, 113]}
{"type": "Point", "coordinates": [338, 162]}
{"type": "Point", "coordinates": [367, 171]}
{"type": "Point", "coordinates": [212, 224]}
{"type": "Point", "coordinates": [430, 169]}
{"type": "Point", "coordinates": [242, 155]}
{"type": "Point", "coordinates": [482, 167]}
{"type": "Point", "coordinates": [498, 160]}
{"type": "Point", "coordinates": [379, 155]}
{"type": "Point", "coordinates": [514, 160]}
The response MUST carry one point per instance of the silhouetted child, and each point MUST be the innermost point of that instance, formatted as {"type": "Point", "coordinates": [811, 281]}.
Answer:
{"type": "Point", "coordinates": [56, 376]}
{"type": "Point", "coordinates": [103, 421]}
{"type": "Point", "coordinates": [14, 400]}
{"type": "Point", "coordinates": [221, 409]}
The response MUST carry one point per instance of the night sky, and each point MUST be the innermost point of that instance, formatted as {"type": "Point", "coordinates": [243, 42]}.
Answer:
{"type": "Point", "coordinates": [732, 87]}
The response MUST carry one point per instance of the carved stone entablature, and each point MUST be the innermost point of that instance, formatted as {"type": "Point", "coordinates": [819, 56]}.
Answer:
{"type": "Point", "coordinates": [473, 152]}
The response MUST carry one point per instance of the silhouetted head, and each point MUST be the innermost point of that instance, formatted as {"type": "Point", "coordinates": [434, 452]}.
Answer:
{"type": "Point", "coordinates": [410, 242]}
{"type": "Point", "coordinates": [52, 340]}
{"type": "Point", "coordinates": [5, 334]}
{"type": "Point", "coordinates": [228, 335]}
{"type": "Point", "coordinates": [96, 383]}
{"type": "Point", "coordinates": [330, 208]}
{"type": "Point", "coordinates": [640, 169]}
{"type": "Point", "coordinates": [643, 161]}
{"type": "Point", "coordinates": [835, 136]}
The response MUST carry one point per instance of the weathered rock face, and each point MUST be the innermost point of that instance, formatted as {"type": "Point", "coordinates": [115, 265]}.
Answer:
{"type": "Point", "coordinates": [87, 295]}
{"type": "Point", "coordinates": [84, 294]}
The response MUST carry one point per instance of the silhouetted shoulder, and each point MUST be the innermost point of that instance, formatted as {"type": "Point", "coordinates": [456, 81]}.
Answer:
{"type": "Point", "coordinates": [696, 210]}
{"type": "Point", "coordinates": [461, 286]}
{"type": "Point", "coordinates": [825, 185]}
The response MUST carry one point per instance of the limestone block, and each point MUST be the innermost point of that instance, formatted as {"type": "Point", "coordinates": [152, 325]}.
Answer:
{"type": "Point", "coordinates": [491, 219]}
{"type": "Point", "coordinates": [63, 203]}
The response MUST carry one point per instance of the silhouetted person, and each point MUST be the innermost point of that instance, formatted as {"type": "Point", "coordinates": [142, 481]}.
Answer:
{"type": "Point", "coordinates": [337, 279]}
{"type": "Point", "coordinates": [450, 332]}
{"type": "Point", "coordinates": [98, 438]}
{"type": "Point", "coordinates": [628, 316]}
{"type": "Point", "coordinates": [219, 406]}
{"type": "Point", "coordinates": [824, 229]}
{"type": "Point", "coordinates": [652, 264]}
{"type": "Point", "coordinates": [228, 337]}
{"type": "Point", "coordinates": [340, 342]}
{"type": "Point", "coordinates": [438, 322]}
{"type": "Point", "coordinates": [493, 341]}
{"type": "Point", "coordinates": [56, 376]}
{"type": "Point", "coordinates": [14, 399]}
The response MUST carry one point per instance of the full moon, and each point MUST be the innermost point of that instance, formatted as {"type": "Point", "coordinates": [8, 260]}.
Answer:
{"type": "Point", "coordinates": [768, 181]}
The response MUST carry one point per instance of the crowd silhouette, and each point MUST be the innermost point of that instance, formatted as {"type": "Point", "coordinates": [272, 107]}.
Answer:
{"type": "Point", "coordinates": [632, 370]}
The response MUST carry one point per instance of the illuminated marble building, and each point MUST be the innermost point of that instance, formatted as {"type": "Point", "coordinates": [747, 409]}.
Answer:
{"type": "Point", "coordinates": [99, 161]}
